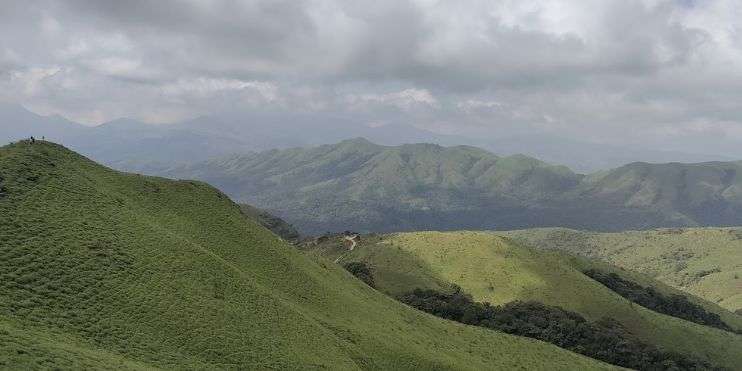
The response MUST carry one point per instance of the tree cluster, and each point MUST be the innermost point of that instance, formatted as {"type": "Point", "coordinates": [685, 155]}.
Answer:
{"type": "Point", "coordinates": [673, 305]}
{"type": "Point", "coordinates": [362, 271]}
{"type": "Point", "coordinates": [605, 340]}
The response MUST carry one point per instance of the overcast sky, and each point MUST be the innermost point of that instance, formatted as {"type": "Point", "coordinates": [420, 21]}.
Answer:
{"type": "Point", "coordinates": [649, 72]}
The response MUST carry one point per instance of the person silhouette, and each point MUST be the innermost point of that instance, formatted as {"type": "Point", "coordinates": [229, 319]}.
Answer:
{"type": "Point", "coordinates": [33, 140]}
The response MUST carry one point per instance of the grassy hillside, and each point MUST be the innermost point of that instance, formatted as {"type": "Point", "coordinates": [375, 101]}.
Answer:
{"type": "Point", "coordinates": [358, 185]}
{"type": "Point", "coordinates": [706, 262]}
{"type": "Point", "coordinates": [496, 270]}
{"type": "Point", "coordinates": [107, 270]}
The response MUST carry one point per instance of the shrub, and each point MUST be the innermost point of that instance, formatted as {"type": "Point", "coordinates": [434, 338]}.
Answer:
{"type": "Point", "coordinates": [362, 271]}
{"type": "Point", "coordinates": [3, 190]}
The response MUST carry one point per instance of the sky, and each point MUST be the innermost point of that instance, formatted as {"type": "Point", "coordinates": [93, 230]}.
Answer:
{"type": "Point", "coordinates": [650, 73]}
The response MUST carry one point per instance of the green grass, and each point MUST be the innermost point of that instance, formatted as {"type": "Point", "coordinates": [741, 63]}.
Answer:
{"type": "Point", "coordinates": [706, 262]}
{"type": "Point", "coordinates": [496, 270]}
{"type": "Point", "coordinates": [100, 269]}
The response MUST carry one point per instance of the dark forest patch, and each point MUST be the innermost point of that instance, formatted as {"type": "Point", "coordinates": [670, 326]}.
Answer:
{"type": "Point", "coordinates": [362, 271]}
{"type": "Point", "coordinates": [673, 305]}
{"type": "Point", "coordinates": [605, 340]}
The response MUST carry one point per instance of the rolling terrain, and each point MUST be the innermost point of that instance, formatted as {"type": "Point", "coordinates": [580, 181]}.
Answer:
{"type": "Point", "coordinates": [496, 270]}
{"type": "Point", "coordinates": [107, 270]}
{"type": "Point", "coordinates": [706, 262]}
{"type": "Point", "coordinates": [359, 185]}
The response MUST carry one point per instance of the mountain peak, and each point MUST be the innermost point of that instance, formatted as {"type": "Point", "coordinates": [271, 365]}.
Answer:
{"type": "Point", "coordinates": [357, 140]}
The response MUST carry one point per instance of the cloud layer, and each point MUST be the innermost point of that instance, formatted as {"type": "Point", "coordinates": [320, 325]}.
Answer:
{"type": "Point", "coordinates": [646, 72]}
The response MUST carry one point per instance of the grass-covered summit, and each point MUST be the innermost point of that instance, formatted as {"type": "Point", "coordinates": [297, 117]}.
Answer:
{"type": "Point", "coordinates": [105, 270]}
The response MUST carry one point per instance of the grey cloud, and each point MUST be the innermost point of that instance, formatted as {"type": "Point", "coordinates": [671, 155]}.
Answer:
{"type": "Point", "coordinates": [621, 71]}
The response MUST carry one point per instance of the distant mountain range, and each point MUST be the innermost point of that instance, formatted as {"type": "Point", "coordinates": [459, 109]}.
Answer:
{"type": "Point", "coordinates": [359, 185]}
{"type": "Point", "coordinates": [135, 146]}
{"type": "Point", "coordinates": [356, 184]}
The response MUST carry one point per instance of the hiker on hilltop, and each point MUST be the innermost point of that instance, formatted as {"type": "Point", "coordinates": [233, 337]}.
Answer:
{"type": "Point", "coordinates": [33, 140]}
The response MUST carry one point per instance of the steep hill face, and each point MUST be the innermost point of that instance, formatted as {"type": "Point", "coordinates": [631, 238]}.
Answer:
{"type": "Point", "coordinates": [358, 185]}
{"type": "Point", "coordinates": [113, 271]}
{"type": "Point", "coordinates": [496, 270]}
{"type": "Point", "coordinates": [706, 262]}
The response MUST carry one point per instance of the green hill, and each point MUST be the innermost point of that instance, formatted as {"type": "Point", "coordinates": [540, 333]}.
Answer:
{"type": "Point", "coordinates": [106, 270]}
{"type": "Point", "coordinates": [706, 262]}
{"type": "Point", "coordinates": [358, 185]}
{"type": "Point", "coordinates": [496, 270]}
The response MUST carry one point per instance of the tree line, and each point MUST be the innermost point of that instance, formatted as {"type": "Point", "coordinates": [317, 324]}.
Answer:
{"type": "Point", "coordinates": [673, 305]}
{"type": "Point", "coordinates": [606, 340]}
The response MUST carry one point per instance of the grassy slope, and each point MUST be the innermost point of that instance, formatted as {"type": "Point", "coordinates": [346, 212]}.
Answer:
{"type": "Point", "coordinates": [495, 269]}
{"type": "Point", "coordinates": [106, 270]}
{"type": "Point", "coordinates": [706, 262]}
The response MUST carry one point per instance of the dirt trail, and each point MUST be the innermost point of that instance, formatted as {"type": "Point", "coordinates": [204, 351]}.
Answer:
{"type": "Point", "coordinates": [352, 240]}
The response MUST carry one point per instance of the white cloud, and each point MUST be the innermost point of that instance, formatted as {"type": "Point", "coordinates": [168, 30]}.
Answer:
{"type": "Point", "coordinates": [472, 104]}
{"type": "Point", "coordinates": [208, 87]}
{"type": "Point", "coordinates": [31, 81]}
{"type": "Point", "coordinates": [407, 100]}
